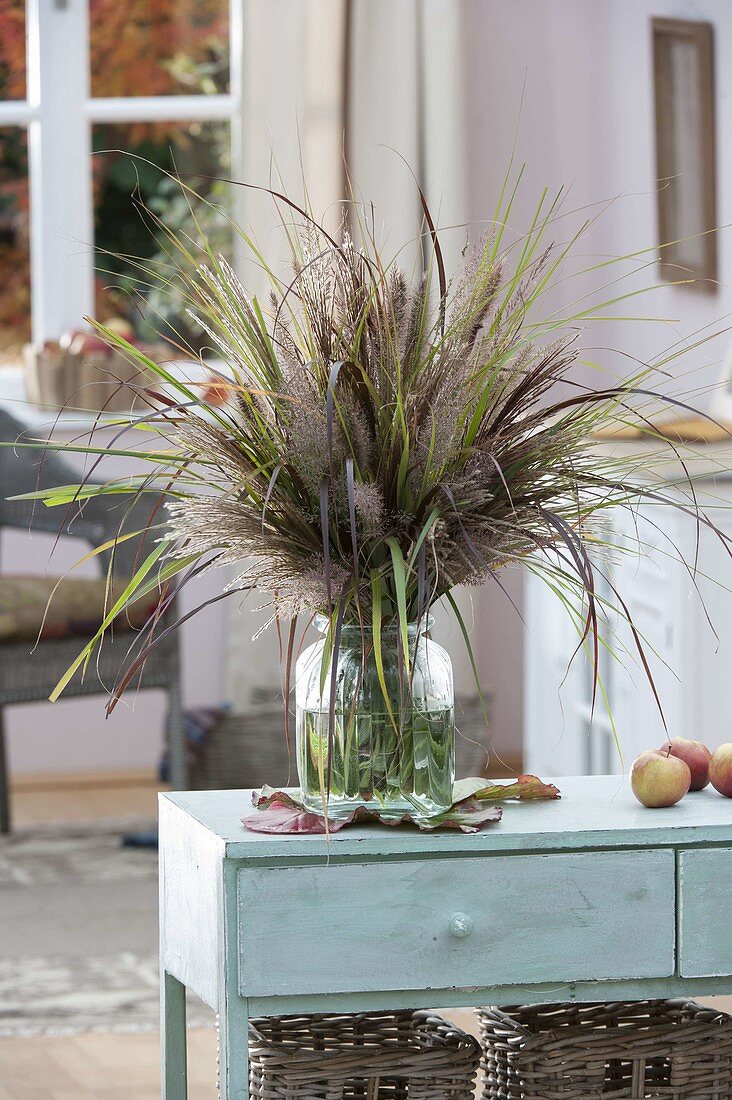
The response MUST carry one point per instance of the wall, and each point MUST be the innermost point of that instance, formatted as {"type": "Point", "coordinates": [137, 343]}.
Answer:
{"type": "Point", "coordinates": [398, 52]}
{"type": "Point", "coordinates": [584, 72]}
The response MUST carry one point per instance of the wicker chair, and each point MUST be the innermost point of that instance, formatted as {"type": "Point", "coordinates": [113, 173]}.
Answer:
{"type": "Point", "coordinates": [30, 677]}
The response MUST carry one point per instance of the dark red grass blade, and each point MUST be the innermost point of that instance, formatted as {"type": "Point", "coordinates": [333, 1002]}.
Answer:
{"type": "Point", "coordinates": [131, 426]}
{"type": "Point", "coordinates": [155, 642]}
{"type": "Point", "coordinates": [642, 492]}
{"type": "Point", "coordinates": [421, 582]}
{"type": "Point", "coordinates": [689, 481]}
{"type": "Point", "coordinates": [325, 528]}
{"type": "Point", "coordinates": [691, 571]}
{"type": "Point", "coordinates": [499, 470]}
{"type": "Point", "coordinates": [439, 259]}
{"type": "Point", "coordinates": [280, 198]}
{"type": "Point", "coordinates": [87, 479]}
{"type": "Point", "coordinates": [288, 679]}
{"type": "Point", "coordinates": [161, 397]}
{"type": "Point", "coordinates": [45, 449]}
{"type": "Point", "coordinates": [270, 487]}
{"type": "Point", "coordinates": [167, 597]}
{"type": "Point", "coordinates": [631, 391]}
{"type": "Point", "coordinates": [492, 573]}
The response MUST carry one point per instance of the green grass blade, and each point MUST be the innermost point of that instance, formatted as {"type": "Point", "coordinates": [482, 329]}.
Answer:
{"type": "Point", "coordinates": [376, 602]}
{"type": "Point", "coordinates": [129, 593]}
{"type": "Point", "coordinates": [400, 585]}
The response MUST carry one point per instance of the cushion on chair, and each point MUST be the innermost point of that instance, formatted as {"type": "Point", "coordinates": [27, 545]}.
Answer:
{"type": "Point", "coordinates": [77, 608]}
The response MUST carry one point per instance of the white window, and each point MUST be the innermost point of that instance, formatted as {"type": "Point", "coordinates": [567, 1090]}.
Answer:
{"type": "Point", "coordinates": [159, 78]}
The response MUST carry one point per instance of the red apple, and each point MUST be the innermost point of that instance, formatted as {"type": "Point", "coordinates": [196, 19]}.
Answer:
{"type": "Point", "coordinates": [217, 391]}
{"type": "Point", "coordinates": [696, 755]}
{"type": "Point", "coordinates": [720, 770]}
{"type": "Point", "coordinates": [659, 779]}
{"type": "Point", "coordinates": [122, 327]}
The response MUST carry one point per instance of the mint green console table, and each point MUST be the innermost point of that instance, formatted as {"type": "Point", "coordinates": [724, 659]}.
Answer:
{"type": "Point", "coordinates": [590, 898]}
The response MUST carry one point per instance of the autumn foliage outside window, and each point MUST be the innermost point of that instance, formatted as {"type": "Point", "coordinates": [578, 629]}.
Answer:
{"type": "Point", "coordinates": [139, 48]}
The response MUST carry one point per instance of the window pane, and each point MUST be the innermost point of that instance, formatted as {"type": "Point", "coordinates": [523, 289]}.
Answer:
{"type": "Point", "coordinates": [159, 47]}
{"type": "Point", "coordinates": [14, 246]}
{"type": "Point", "coordinates": [129, 245]}
{"type": "Point", "coordinates": [12, 49]}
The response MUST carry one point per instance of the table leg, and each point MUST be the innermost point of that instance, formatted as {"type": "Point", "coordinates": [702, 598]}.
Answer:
{"type": "Point", "coordinates": [173, 1070]}
{"type": "Point", "coordinates": [234, 1049]}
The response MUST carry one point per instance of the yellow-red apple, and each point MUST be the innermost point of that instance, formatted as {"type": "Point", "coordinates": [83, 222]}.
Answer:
{"type": "Point", "coordinates": [696, 755]}
{"type": "Point", "coordinates": [720, 770]}
{"type": "Point", "coordinates": [659, 779]}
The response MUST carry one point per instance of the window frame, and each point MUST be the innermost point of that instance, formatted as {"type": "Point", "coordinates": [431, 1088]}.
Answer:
{"type": "Point", "coordinates": [58, 114]}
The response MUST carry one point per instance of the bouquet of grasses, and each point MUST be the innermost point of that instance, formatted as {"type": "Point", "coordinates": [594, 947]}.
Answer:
{"type": "Point", "coordinates": [381, 441]}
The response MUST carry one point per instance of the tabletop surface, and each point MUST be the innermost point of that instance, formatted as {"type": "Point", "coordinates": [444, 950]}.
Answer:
{"type": "Point", "coordinates": [594, 812]}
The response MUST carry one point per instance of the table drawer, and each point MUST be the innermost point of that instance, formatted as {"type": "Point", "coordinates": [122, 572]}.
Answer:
{"type": "Point", "coordinates": [456, 923]}
{"type": "Point", "coordinates": [705, 905]}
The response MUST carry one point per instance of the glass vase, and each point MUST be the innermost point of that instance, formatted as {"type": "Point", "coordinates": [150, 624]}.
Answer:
{"type": "Point", "coordinates": [393, 752]}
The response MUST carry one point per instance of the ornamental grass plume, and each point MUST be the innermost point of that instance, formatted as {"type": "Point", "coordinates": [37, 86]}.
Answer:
{"type": "Point", "coordinates": [384, 440]}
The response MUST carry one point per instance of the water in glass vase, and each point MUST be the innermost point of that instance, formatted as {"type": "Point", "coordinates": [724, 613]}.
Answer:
{"type": "Point", "coordinates": [393, 753]}
{"type": "Point", "coordinates": [371, 765]}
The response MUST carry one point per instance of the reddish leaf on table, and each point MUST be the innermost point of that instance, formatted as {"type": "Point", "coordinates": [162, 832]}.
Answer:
{"type": "Point", "coordinates": [277, 817]}
{"type": "Point", "coordinates": [525, 787]}
{"type": "Point", "coordinates": [283, 812]}
{"type": "Point", "coordinates": [470, 816]}
{"type": "Point", "coordinates": [268, 795]}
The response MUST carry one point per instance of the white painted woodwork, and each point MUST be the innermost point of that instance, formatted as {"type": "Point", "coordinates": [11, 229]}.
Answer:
{"type": "Point", "coordinates": [191, 903]}
{"type": "Point", "coordinates": [689, 663]}
{"type": "Point", "coordinates": [58, 114]}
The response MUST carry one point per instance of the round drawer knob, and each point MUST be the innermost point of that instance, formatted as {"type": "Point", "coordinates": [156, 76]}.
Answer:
{"type": "Point", "coordinates": [460, 925]}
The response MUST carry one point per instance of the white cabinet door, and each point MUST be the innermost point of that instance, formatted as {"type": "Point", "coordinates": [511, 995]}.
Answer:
{"type": "Point", "coordinates": [556, 735]}
{"type": "Point", "coordinates": [707, 650]}
{"type": "Point", "coordinates": [651, 581]}
{"type": "Point", "coordinates": [564, 734]}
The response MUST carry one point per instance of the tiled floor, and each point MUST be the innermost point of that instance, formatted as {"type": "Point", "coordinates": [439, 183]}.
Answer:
{"type": "Point", "coordinates": [100, 1067]}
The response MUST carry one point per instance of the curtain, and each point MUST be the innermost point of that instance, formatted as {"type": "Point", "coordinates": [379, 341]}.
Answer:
{"type": "Point", "coordinates": [380, 84]}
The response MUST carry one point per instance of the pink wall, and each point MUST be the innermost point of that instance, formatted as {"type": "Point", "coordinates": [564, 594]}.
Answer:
{"type": "Point", "coordinates": [586, 122]}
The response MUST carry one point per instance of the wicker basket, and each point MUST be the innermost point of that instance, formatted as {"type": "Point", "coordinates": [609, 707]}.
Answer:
{"type": "Point", "coordinates": [96, 380]}
{"type": "Point", "coordinates": [369, 1056]}
{"type": "Point", "coordinates": [625, 1049]}
{"type": "Point", "coordinates": [245, 750]}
